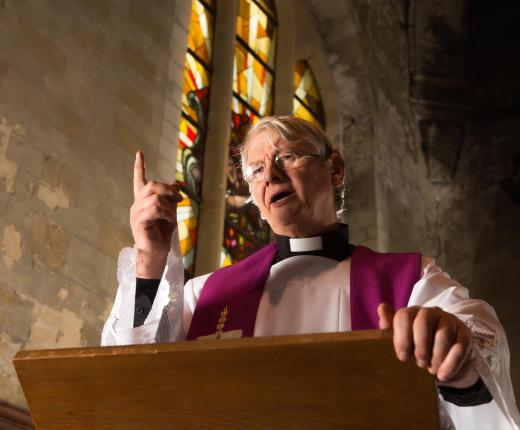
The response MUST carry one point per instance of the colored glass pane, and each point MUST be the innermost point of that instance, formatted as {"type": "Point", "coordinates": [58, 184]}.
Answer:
{"type": "Point", "coordinates": [302, 112]}
{"type": "Point", "coordinates": [241, 109]}
{"type": "Point", "coordinates": [189, 158]}
{"type": "Point", "coordinates": [196, 82]}
{"type": "Point", "coordinates": [307, 100]}
{"type": "Point", "coordinates": [257, 30]}
{"type": "Point", "coordinates": [187, 215]}
{"type": "Point", "coordinates": [201, 31]}
{"type": "Point", "coordinates": [268, 6]}
{"type": "Point", "coordinates": [252, 81]}
{"type": "Point", "coordinates": [225, 258]}
{"type": "Point", "coordinates": [244, 230]}
{"type": "Point", "coordinates": [192, 126]}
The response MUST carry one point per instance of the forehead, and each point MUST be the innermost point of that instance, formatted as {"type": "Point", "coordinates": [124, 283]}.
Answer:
{"type": "Point", "coordinates": [265, 143]}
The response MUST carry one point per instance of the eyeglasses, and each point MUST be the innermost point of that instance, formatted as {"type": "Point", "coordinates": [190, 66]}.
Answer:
{"type": "Point", "coordinates": [285, 160]}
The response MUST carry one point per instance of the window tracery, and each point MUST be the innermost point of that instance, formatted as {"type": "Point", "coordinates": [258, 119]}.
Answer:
{"type": "Point", "coordinates": [253, 78]}
{"type": "Point", "coordinates": [193, 124]}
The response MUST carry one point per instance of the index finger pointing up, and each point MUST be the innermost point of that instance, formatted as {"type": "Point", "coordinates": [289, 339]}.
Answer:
{"type": "Point", "coordinates": [139, 175]}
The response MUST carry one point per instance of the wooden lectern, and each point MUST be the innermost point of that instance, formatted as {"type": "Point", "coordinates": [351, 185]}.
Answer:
{"type": "Point", "coordinates": [321, 381]}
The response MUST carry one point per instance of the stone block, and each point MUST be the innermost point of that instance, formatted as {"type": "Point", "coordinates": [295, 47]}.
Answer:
{"type": "Point", "coordinates": [121, 161]}
{"type": "Point", "coordinates": [91, 336]}
{"type": "Point", "coordinates": [14, 116]}
{"type": "Point", "coordinates": [135, 101]}
{"type": "Point", "coordinates": [70, 183]}
{"type": "Point", "coordinates": [11, 389]}
{"type": "Point", "coordinates": [172, 112]}
{"type": "Point", "coordinates": [8, 20]}
{"type": "Point", "coordinates": [90, 40]}
{"type": "Point", "coordinates": [11, 245]}
{"type": "Point", "coordinates": [51, 328]}
{"type": "Point", "coordinates": [100, 8]}
{"type": "Point", "coordinates": [53, 198]}
{"type": "Point", "coordinates": [27, 94]}
{"type": "Point", "coordinates": [15, 314]}
{"type": "Point", "coordinates": [147, 24]}
{"type": "Point", "coordinates": [60, 292]}
{"type": "Point", "coordinates": [79, 222]}
{"type": "Point", "coordinates": [88, 266]}
{"type": "Point", "coordinates": [70, 124]}
{"type": "Point", "coordinates": [49, 243]}
{"type": "Point", "coordinates": [39, 46]}
{"type": "Point", "coordinates": [25, 187]}
{"type": "Point", "coordinates": [127, 139]}
{"type": "Point", "coordinates": [48, 139]}
{"type": "Point", "coordinates": [139, 62]}
{"type": "Point", "coordinates": [26, 157]}
{"type": "Point", "coordinates": [51, 172]}
{"type": "Point", "coordinates": [112, 239]}
{"type": "Point", "coordinates": [3, 71]}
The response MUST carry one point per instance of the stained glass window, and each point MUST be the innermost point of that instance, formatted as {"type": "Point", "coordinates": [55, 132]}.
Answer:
{"type": "Point", "coordinates": [253, 77]}
{"type": "Point", "coordinates": [307, 100]}
{"type": "Point", "coordinates": [192, 127]}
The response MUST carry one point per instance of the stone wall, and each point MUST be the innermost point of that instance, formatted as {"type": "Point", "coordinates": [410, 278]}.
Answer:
{"type": "Point", "coordinates": [83, 85]}
{"type": "Point", "coordinates": [437, 84]}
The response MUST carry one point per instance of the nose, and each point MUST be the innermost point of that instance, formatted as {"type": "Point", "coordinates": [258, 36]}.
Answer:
{"type": "Point", "coordinates": [273, 173]}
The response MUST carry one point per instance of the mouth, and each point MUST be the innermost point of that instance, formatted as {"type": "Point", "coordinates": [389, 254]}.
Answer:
{"type": "Point", "coordinates": [281, 197]}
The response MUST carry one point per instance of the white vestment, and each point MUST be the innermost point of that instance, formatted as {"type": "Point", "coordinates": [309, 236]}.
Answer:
{"type": "Point", "coordinates": [310, 294]}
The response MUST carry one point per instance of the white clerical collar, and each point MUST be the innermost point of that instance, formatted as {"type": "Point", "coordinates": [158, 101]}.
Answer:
{"type": "Point", "coordinates": [305, 244]}
{"type": "Point", "coordinates": [331, 244]}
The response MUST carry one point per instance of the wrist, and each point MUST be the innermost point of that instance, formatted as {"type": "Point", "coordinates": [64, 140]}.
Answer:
{"type": "Point", "coordinates": [150, 264]}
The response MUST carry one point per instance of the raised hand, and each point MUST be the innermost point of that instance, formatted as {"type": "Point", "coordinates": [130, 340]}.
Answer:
{"type": "Point", "coordinates": [153, 218]}
{"type": "Point", "coordinates": [438, 340]}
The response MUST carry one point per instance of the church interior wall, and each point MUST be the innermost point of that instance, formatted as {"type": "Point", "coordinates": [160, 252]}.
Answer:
{"type": "Point", "coordinates": [345, 87]}
{"type": "Point", "coordinates": [445, 168]}
{"type": "Point", "coordinates": [85, 84]}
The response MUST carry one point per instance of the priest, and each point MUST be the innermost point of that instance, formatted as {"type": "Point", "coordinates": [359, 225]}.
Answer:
{"type": "Point", "coordinates": [311, 279]}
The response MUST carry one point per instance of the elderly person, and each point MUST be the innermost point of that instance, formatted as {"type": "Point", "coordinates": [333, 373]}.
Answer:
{"type": "Point", "coordinates": [310, 279]}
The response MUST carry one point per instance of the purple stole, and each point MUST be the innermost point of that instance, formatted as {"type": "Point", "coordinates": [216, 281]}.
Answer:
{"type": "Point", "coordinates": [231, 295]}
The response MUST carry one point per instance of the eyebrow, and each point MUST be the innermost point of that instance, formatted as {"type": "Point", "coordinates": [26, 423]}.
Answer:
{"type": "Point", "coordinates": [291, 145]}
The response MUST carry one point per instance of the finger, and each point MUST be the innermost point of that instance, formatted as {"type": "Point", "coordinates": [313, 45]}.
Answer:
{"type": "Point", "coordinates": [456, 357]}
{"type": "Point", "coordinates": [386, 315]}
{"type": "Point", "coordinates": [139, 173]}
{"type": "Point", "coordinates": [169, 191]}
{"type": "Point", "coordinates": [445, 336]}
{"type": "Point", "coordinates": [424, 327]}
{"type": "Point", "coordinates": [403, 336]}
{"type": "Point", "coordinates": [156, 207]}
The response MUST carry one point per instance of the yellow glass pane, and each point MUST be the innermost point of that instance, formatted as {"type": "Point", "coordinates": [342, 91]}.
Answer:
{"type": "Point", "coordinates": [187, 213]}
{"type": "Point", "coordinates": [201, 31]}
{"type": "Point", "coordinates": [257, 30]}
{"type": "Point", "coordinates": [268, 5]}
{"type": "Point", "coordinates": [196, 77]}
{"type": "Point", "coordinates": [306, 89]}
{"type": "Point", "coordinates": [252, 81]}
{"type": "Point", "coordinates": [188, 135]}
{"type": "Point", "coordinates": [302, 112]}
{"type": "Point", "coordinates": [225, 258]}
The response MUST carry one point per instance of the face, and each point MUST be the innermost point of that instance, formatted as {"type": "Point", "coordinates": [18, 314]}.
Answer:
{"type": "Point", "coordinates": [299, 202]}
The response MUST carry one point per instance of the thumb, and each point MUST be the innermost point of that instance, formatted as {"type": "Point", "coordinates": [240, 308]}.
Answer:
{"type": "Point", "coordinates": [386, 316]}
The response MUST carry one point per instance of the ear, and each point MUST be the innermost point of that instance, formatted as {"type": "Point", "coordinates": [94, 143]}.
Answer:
{"type": "Point", "coordinates": [337, 168]}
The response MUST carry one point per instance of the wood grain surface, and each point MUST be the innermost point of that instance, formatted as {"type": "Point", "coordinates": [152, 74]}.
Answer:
{"type": "Point", "coordinates": [321, 381]}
